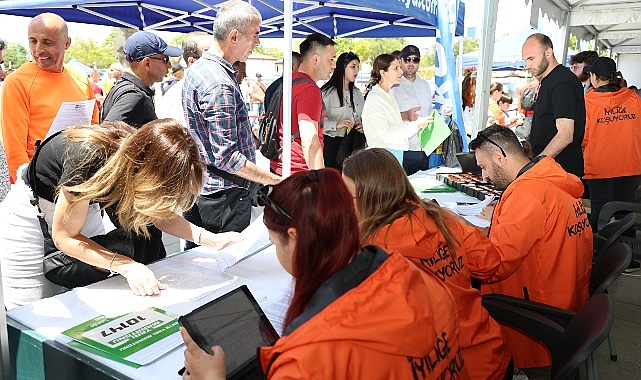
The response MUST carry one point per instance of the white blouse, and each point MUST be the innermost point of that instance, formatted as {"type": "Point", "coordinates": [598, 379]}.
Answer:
{"type": "Point", "coordinates": [382, 122]}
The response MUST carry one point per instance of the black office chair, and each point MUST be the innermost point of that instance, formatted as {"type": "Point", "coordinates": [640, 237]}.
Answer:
{"type": "Point", "coordinates": [610, 233]}
{"type": "Point", "coordinates": [607, 269]}
{"type": "Point", "coordinates": [569, 346]}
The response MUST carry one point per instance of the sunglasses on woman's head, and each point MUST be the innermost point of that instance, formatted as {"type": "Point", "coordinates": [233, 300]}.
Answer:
{"type": "Point", "coordinates": [263, 198]}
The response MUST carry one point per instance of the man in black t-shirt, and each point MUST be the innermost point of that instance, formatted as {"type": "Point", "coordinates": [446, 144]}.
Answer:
{"type": "Point", "coordinates": [559, 113]}
{"type": "Point", "coordinates": [131, 98]}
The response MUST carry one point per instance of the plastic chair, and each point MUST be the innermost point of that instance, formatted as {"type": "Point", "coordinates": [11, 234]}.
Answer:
{"type": "Point", "coordinates": [569, 346]}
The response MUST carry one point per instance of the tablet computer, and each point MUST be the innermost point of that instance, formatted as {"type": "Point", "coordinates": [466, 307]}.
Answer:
{"type": "Point", "coordinates": [236, 322]}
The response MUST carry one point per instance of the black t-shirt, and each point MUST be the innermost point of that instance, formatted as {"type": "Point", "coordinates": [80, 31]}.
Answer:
{"type": "Point", "coordinates": [129, 100]}
{"type": "Point", "coordinates": [560, 97]}
{"type": "Point", "coordinates": [59, 163]}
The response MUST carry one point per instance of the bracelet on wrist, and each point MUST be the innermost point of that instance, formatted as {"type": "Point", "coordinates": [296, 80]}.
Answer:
{"type": "Point", "coordinates": [198, 236]}
{"type": "Point", "coordinates": [111, 271]}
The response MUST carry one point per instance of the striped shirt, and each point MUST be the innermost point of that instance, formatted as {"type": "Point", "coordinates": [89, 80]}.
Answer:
{"type": "Point", "coordinates": [217, 118]}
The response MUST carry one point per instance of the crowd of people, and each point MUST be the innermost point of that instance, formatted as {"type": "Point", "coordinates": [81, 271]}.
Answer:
{"type": "Point", "coordinates": [386, 275]}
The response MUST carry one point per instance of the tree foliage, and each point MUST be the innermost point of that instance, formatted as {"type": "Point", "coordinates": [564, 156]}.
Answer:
{"type": "Point", "coordinates": [469, 45]}
{"type": "Point", "coordinates": [89, 52]}
{"type": "Point", "coordinates": [15, 55]}
{"type": "Point", "coordinates": [272, 51]}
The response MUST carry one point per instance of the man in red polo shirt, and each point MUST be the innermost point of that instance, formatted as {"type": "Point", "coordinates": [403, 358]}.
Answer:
{"type": "Point", "coordinates": [317, 61]}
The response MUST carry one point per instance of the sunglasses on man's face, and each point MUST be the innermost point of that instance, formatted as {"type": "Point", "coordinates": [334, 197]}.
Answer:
{"type": "Point", "coordinates": [165, 60]}
{"type": "Point", "coordinates": [412, 59]}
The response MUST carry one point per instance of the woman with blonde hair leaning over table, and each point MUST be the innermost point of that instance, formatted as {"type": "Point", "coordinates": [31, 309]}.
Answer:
{"type": "Point", "coordinates": [393, 217]}
{"type": "Point", "coordinates": [382, 119]}
{"type": "Point", "coordinates": [356, 313]}
{"type": "Point", "coordinates": [143, 178]}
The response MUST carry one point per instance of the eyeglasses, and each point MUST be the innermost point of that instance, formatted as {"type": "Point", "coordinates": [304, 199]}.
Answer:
{"type": "Point", "coordinates": [412, 59]}
{"type": "Point", "coordinates": [164, 59]}
{"type": "Point", "coordinates": [263, 199]}
{"type": "Point", "coordinates": [576, 67]}
{"type": "Point", "coordinates": [492, 142]}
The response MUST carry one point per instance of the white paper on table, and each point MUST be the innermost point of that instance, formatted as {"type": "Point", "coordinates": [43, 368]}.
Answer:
{"type": "Point", "coordinates": [186, 281]}
{"type": "Point", "coordinates": [474, 209]}
{"type": "Point", "coordinates": [72, 113]}
{"type": "Point", "coordinates": [255, 239]}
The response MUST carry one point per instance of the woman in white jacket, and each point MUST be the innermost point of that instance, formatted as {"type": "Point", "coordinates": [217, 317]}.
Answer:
{"type": "Point", "coordinates": [382, 120]}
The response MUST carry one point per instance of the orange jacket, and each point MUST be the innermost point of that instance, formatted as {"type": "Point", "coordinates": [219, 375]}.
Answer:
{"type": "Point", "coordinates": [398, 323]}
{"type": "Point", "coordinates": [542, 233]}
{"type": "Point", "coordinates": [31, 99]}
{"type": "Point", "coordinates": [485, 352]}
{"type": "Point", "coordinates": [612, 140]}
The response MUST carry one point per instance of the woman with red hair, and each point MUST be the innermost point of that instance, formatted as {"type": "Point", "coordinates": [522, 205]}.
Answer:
{"type": "Point", "coordinates": [356, 313]}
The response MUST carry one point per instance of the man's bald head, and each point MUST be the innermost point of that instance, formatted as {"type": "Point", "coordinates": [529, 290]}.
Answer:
{"type": "Point", "coordinates": [48, 41]}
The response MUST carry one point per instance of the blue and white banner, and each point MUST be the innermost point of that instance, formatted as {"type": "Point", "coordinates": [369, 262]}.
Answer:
{"type": "Point", "coordinates": [447, 91]}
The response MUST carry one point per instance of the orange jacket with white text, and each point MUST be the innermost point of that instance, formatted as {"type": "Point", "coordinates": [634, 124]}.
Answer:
{"type": "Point", "coordinates": [543, 235]}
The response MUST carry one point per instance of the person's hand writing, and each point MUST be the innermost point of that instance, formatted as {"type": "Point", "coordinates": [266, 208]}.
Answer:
{"type": "Point", "coordinates": [201, 365]}
{"type": "Point", "coordinates": [141, 279]}
{"type": "Point", "coordinates": [219, 240]}
{"type": "Point", "coordinates": [487, 211]}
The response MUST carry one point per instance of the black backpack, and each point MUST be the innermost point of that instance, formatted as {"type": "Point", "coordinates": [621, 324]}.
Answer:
{"type": "Point", "coordinates": [528, 99]}
{"type": "Point", "coordinates": [268, 129]}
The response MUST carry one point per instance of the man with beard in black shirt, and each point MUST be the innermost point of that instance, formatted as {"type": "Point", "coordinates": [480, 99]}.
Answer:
{"type": "Point", "coordinates": [559, 113]}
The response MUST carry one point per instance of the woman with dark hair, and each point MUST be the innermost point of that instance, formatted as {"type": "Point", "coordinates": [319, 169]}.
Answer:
{"type": "Point", "coordinates": [382, 121]}
{"type": "Point", "coordinates": [143, 178]}
{"type": "Point", "coordinates": [356, 313]}
{"type": "Point", "coordinates": [343, 106]}
{"type": "Point", "coordinates": [395, 218]}
{"type": "Point", "coordinates": [612, 140]}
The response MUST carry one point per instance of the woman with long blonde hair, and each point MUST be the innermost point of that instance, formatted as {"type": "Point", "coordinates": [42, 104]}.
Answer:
{"type": "Point", "coordinates": [143, 178]}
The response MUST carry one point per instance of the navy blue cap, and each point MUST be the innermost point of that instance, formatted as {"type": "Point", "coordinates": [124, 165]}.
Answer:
{"type": "Point", "coordinates": [602, 66]}
{"type": "Point", "coordinates": [145, 44]}
{"type": "Point", "coordinates": [410, 50]}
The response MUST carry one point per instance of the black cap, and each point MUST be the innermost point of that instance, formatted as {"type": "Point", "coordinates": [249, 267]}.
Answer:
{"type": "Point", "coordinates": [602, 66]}
{"type": "Point", "coordinates": [410, 50]}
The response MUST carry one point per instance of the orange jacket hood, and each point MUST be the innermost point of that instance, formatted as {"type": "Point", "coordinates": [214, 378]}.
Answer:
{"type": "Point", "coordinates": [549, 172]}
{"type": "Point", "coordinates": [388, 318]}
{"type": "Point", "coordinates": [610, 99]}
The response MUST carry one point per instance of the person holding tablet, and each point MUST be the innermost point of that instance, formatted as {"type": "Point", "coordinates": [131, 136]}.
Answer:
{"type": "Point", "coordinates": [356, 312]}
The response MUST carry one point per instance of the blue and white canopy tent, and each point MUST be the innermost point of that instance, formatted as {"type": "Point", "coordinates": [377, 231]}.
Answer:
{"type": "Point", "coordinates": [335, 18]}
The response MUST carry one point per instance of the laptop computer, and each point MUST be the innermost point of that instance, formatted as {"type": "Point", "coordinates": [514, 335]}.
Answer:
{"type": "Point", "coordinates": [236, 322]}
{"type": "Point", "coordinates": [467, 161]}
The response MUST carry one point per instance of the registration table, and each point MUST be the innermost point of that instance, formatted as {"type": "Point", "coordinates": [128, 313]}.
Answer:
{"type": "Point", "coordinates": [39, 350]}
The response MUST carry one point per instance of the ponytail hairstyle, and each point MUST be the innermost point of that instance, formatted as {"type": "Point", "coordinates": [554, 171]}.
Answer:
{"type": "Point", "coordinates": [381, 62]}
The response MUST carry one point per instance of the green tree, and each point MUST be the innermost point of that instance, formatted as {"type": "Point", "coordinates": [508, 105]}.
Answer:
{"type": "Point", "coordinates": [469, 44]}
{"type": "Point", "coordinates": [272, 51]}
{"type": "Point", "coordinates": [15, 55]}
{"type": "Point", "coordinates": [368, 48]}
{"type": "Point", "coordinates": [89, 52]}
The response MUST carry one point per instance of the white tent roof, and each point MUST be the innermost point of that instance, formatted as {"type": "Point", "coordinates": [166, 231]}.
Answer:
{"type": "Point", "coordinates": [614, 24]}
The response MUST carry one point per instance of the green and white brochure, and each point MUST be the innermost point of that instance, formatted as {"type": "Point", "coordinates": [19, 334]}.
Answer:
{"type": "Point", "coordinates": [135, 338]}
